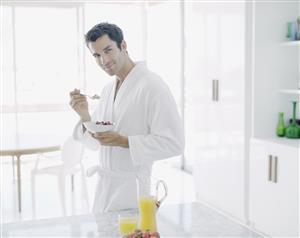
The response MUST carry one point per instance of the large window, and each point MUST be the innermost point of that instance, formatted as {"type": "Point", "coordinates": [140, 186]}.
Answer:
{"type": "Point", "coordinates": [44, 56]}
{"type": "Point", "coordinates": [40, 54]}
{"type": "Point", "coordinates": [40, 66]}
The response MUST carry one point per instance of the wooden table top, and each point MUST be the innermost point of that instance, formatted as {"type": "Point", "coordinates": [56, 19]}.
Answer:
{"type": "Point", "coordinates": [29, 144]}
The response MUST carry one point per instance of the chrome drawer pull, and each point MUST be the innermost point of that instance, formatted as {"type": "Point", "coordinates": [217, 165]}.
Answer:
{"type": "Point", "coordinates": [270, 168]}
{"type": "Point", "coordinates": [275, 169]}
{"type": "Point", "coordinates": [215, 90]}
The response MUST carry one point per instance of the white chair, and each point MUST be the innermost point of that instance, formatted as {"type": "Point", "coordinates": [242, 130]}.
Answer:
{"type": "Point", "coordinates": [71, 156]}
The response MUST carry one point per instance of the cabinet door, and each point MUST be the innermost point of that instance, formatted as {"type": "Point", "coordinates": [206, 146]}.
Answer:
{"type": "Point", "coordinates": [215, 128]}
{"type": "Point", "coordinates": [274, 206]}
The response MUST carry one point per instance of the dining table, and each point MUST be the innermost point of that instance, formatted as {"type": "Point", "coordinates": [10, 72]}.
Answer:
{"type": "Point", "coordinates": [27, 144]}
{"type": "Point", "coordinates": [194, 219]}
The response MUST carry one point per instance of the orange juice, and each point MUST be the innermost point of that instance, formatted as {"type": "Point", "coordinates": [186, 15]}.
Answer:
{"type": "Point", "coordinates": [147, 209]}
{"type": "Point", "coordinates": [127, 225]}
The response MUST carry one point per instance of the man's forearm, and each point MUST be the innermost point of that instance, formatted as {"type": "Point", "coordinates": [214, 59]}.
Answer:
{"type": "Point", "coordinates": [84, 119]}
{"type": "Point", "coordinates": [124, 141]}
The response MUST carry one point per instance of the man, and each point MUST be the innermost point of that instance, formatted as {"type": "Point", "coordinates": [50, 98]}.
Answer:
{"type": "Point", "coordinates": [147, 123]}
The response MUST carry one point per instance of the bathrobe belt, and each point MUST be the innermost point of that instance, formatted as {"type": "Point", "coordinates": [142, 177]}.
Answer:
{"type": "Point", "coordinates": [109, 173]}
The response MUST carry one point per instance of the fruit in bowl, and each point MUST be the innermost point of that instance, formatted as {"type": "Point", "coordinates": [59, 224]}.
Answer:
{"type": "Point", "coordinates": [99, 126]}
{"type": "Point", "coordinates": [104, 123]}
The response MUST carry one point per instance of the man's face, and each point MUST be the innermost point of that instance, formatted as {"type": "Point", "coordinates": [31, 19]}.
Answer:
{"type": "Point", "coordinates": [107, 54]}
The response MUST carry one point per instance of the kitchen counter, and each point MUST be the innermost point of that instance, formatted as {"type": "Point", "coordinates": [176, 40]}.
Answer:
{"type": "Point", "coordinates": [182, 220]}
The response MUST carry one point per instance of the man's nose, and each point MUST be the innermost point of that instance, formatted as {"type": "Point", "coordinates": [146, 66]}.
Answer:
{"type": "Point", "coordinates": [104, 59]}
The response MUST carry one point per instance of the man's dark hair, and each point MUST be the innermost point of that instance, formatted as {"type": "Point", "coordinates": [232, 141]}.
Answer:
{"type": "Point", "coordinates": [112, 30]}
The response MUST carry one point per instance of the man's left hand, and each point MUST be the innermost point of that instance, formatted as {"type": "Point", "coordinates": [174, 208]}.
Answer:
{"type": "Point", "coordinates": [111, 138]}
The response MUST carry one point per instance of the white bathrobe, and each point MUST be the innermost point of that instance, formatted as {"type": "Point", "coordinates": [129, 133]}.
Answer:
{"type": "Point", "coordinates": [145, 111]}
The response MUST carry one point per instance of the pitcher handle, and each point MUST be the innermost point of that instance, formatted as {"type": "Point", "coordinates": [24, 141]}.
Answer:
{"type": "Point", "coordinates": [158, 202]}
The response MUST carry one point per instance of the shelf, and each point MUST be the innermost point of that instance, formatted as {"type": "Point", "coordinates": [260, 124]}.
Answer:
{"type": "Point", "coordinates": [291, 43]}
{"type": "Point", "coordinates": [290, 91]}
{"type": "Point", "coordinates": [280, 140]}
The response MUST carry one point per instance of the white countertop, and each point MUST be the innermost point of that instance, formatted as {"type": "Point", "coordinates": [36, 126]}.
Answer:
{"type": "Point", "coordinates": [182, 220]}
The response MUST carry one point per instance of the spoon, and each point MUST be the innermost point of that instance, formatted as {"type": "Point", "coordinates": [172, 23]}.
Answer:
{"type": "Point", "coordinates": [91, 97]}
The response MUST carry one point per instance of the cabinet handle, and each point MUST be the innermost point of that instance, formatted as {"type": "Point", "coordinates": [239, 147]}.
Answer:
{"type": "Point", "coordinates": [270, 168]}
{"type": "Point", "coordinates": [215, 90]}
{"type": "Point", "coordinates": [275, 169]}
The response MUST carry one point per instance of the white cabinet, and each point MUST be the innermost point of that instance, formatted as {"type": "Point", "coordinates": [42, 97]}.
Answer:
{"type": "Point", "coordinates": [274, 188]}
{"type": "Point", "coordinates": [274, 162]}
{"type": "Point", "coordinates": [215, 104]}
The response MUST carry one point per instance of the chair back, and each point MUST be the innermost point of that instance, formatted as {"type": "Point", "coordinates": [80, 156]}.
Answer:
{"type": "Point", "coordinates": [71, 152]}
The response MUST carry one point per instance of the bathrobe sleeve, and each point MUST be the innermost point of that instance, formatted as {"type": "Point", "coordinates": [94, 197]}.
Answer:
{"type": "Point", "coordinates": [84, 136]}
{"type": "Point", "coordinates": [166, 137]}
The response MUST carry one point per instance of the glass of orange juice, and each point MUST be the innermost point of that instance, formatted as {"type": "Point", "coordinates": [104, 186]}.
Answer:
{"type": "Point", "coordinates": [127, 223]}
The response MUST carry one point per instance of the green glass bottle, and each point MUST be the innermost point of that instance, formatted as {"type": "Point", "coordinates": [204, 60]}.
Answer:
{"type": "Point", "coordinates": [292, 131]}
{"type": "Point", "coordinates": [280, 130]}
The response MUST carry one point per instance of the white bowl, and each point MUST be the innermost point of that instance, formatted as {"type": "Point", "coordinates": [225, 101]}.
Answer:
{"type": "Point", "coordinates": [93, 127]}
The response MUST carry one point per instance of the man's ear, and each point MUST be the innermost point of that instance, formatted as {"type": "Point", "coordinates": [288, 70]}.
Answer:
{"type": "Point", "coordinates": [123, 45]}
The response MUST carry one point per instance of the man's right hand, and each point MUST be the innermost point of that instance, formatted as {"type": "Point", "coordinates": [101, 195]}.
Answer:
{"type": "Point", "coordinates": [80, 105]}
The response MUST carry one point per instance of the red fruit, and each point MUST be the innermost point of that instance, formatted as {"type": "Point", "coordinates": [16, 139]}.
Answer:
{"type": "Point", "coordinates": [154, 234]}
{"type": "Point", "coordinates": [146, 234]}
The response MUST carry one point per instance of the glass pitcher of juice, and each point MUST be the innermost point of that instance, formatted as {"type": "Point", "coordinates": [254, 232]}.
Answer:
{"type": "Point", "coordinates": [149, 203]}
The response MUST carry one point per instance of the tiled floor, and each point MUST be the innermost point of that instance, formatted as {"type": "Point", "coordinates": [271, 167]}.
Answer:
{"type": "Point", "coordinates": [48, 205]}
